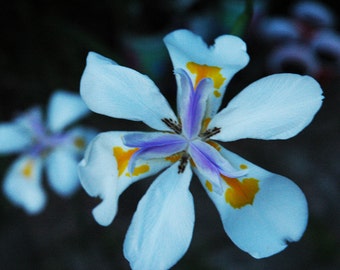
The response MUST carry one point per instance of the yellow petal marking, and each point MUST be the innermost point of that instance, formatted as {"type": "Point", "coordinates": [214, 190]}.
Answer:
{"type": "Point", "coordinates": [209, 186]}
{"type": "Point", "coordinates": [141, 169]}
{"type": "Point", "coordinates": [192, 163]}
{"type": "Point", "coordinates": [205, 71]}
{"type": "Point", "coordinates": [174, 158]}
{"type": "Point", "coordinates": [243, 166]}
{"type": "Point", "coordinates": [214, 144]}
{"type": "Point", "coordinates": [239, 193]}
{"type": "Point", "coordinates": [205, 124]}
{"type": "Point", "coordinates": [27, 170]}
{"type": "Point", "coordinates": [123, 157]}
{"type": "Point", "coordinates": [217, 94]}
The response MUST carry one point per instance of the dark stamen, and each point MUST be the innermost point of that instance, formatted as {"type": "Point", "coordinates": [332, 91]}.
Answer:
{"type": "Point", "coordinates": [183, 163]}
{"type": "Point", "coordinates": [209, 133]}
{"type": "Point", "coordinates": [176, 127]}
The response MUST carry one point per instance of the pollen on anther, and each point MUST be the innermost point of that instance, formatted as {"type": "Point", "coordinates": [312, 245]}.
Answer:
{"type": "Point", "coordinates": [183, 163]}
{"type": "Point", "coordinates": [176, 127]}
{"type": "Point", "coordinates": [209, 133]}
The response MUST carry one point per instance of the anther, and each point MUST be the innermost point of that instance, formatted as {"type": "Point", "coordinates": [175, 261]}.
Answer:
{"type": "Point", "coordinates": [209, 133]}
{"type": "Point", "coordinates": [176, 127]}
{"type": "Point", "coordinates": [183, 163]}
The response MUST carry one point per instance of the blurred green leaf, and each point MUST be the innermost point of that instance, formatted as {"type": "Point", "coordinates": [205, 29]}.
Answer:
{"type": "Point", "coordinates": [243, 20]}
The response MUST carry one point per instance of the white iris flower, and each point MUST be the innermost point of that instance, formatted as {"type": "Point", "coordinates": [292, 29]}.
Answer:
{"type": "Point", "coordinates": [261, 211]}
{"type": "Point", "coordinates": [44, 145]}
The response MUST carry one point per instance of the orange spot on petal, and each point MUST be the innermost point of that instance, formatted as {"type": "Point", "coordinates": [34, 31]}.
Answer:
{"type": "Point", "coordinates": [205, 123]}
{"type": "Point", "coordinates": [205, 71]}
{"type": "Point", "coordinates": [217, 94]}
{"type": "Point", "coordinates": [123, 157]}
{"type": "Point", "coordinates": [141, 169]}
{"type": "Point", "coordinates": [240, 193]}
{"type": "Point", "coordinates": [209, 186]}
{"type": "Point", "coordinates": [243, 166]}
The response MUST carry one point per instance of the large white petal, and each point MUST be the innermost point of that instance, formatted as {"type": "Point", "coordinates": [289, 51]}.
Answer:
{"type": "Point", "coordinates": [22, 184]}
{"type": "Point", "coordinates": [121, 92]}
{"type": "Point", "coordinates": [277, 215]}
{"type": "Point", "coordinates": [62, 171]}
{"type": "Point", "coordinates": [64, 109]}
{"type": "Point", "coordinates": [14, 138]}
{"type": "Point", "coordinates": [228, 55]}
{"type": "Point", "coordinates": [161, 228]}
{"type": "Point", "coordinates": [275, 107]}
{"type": "Point", "coordinates": [101, 175]}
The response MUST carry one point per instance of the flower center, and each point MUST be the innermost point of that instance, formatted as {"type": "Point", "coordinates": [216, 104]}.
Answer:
{"type": "Point", "coordinates": [204, 136]}
{"type": "Point", "coordinates": [189, 137]}
{"type": "Point", "coordinates": [177, 128]}
{"type": "Point", "coordinates": [44, 144]}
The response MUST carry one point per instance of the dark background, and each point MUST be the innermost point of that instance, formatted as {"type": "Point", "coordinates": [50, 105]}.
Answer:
{"type": "Point", "coordinates": [43, 47]}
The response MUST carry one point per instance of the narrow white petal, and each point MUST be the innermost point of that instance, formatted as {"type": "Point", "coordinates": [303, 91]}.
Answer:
{"type": "Point", "coordinates": [161, 228]}
{"type": "Point", "coordinates": [62, 171]}
{"type": "Point", "coordinates": [263, 212]}
{"type": "Point", "coordinates": [22, 184]}
{"type": "Point", "coordinates": [104, 172]}
{"type": "Point", "coordinates": [14, 138]}
{"type": "Point", "coordinates": [275, 107]}
{"type": "Point", "coordinates": [64, 109]}
{"type": "Point", "coordinates": [121, 92]}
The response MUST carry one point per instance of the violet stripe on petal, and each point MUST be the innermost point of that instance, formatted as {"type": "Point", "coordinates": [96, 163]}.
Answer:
{"type": "Point", "coordinates": [151, 139]}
